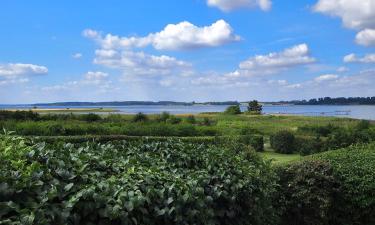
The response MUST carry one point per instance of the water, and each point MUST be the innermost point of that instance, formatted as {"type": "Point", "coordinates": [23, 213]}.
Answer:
{"type": "Point", "coordinates": [350, 111]}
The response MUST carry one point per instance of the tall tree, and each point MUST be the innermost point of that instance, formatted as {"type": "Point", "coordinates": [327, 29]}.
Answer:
{"type": "Point", "coordinates": [254, 107]}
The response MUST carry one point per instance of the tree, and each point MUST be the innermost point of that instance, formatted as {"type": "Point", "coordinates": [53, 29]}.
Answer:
{"type": "Point", "coordinates": [233, 110]}
{"type": "Point", "coordinates": [254, 107]}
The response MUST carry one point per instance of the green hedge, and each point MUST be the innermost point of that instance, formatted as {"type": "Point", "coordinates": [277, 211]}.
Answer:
{"type": "Point", "coordinates": [161, 183]}
{"type": "Point", "coordinates": [335, 188]}
{"type": "Point", "coordinates": [255, 141]}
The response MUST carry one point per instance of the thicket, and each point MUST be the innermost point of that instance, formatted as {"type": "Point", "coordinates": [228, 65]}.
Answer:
{"type": "Point", "coordinates": [316, 139]}
{"type": "Point", "coordinates": [133, 183]}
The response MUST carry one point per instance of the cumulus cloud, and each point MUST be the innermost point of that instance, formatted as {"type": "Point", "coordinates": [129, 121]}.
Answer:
{"type": "Point", "coordinates": [179, 36]}
{"type": "Point", "coordinates": [358, 15]}
{"type": "Point", "coordinates": [273, 62]}
{"type": "Point", "coordinates": [256, 67]}
{"type": "Point", "coordinates": [354, 14]}
{"type": "Point", "coordinates": [19, 69]}
{"type": "Point", "coordinates": [230, 5]}
{"type": "Point", "coordinates": [12, 73]}
{"type": "Point", "coordinates": [366, 37]}
{"type": "Point", "coordinates": [353, 58]}
{"type": "Point", "coordinates": [140, 63]}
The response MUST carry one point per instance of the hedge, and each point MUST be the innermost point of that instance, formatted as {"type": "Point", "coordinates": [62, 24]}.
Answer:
{"type": "Point", "coordinates": [160, 183]}
{"type": "Point", "coordinates": [331, 188]}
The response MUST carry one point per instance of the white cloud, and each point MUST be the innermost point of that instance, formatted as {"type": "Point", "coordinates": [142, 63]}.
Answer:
{"type": "Point", "coordinates": [358, 15]}
{"type": "Point", "coordinates": [352, 58]}
{"type": "Point", "coordinates": [326, 77]}
{"type": "Point", "coordinates": [140, 63]}
{"type": "Point", "coordinates": [366, 37]}
{"type": "Point", "coordinates": [93, 80]}
{"type": "Point", "coordinates": [77, 55]}
{"type": "Point", "coordinates": [229, 5]}
{"type": "Point", "coordinates": [20, 69]}
{"type": "Point", "coordinates": [273, 62]}
{"type": "Point", "coordinates": [342, 69]}
{"type": "Point", "coordinates": [179, 36]}
{"type": "Point", "coordinates": [13, 73]}
{"type": "Point", "coordinates": [354, 14]}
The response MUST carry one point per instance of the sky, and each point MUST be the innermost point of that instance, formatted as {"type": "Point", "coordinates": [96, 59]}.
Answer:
{"type": "Point", "coordinates": [185, 50]}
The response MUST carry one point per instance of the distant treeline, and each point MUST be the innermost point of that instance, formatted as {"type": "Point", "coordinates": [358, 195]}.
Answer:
{"type": "Point", "coordinates": [334, 101]}
{"type": "Point", "coordinates": [127, 103]}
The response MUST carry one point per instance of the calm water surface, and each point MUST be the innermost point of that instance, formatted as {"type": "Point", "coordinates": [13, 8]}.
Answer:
{"type": "Point", "coordinates": [357, 112]}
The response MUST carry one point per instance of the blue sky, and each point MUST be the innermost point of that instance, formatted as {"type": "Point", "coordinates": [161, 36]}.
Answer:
{"type": "Point", "coordinates": [186, 50]}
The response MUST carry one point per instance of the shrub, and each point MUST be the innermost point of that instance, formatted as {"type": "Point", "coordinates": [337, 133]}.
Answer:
{"type": "Point", "coordinates": [310, 145]}
{"type": "Point", "coordinates": [163, 117]}
{"type": "Point", "coordinates": [140, 117]}
{"type": "Point", "coordinates": [323, 131]}
{"type": "Point", "coordinates": [90, 117]}
{"type": "Point", "coordinates": [331, 188]}
{"type": "Point", "coordinates": [133, 183]}
{"type": "Point", "coordinates": [354, 169]}
{"type": "Point", "coordinates": [174, 120]}
{"type": "Point", "coordinates": [306, 193]}
{"type": "Point", "coordinates": [283, 142]}
{"type": "Point", "coordinates": [255, 141]}
{"type": "Point", "coordinates": [191, 119]}
{"type": "Point", "coordinates": [233, 110]}
{"type": "Point", "coordinates": [363, 125]}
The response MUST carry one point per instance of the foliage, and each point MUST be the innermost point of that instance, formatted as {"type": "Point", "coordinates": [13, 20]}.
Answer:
{"type": "Point", "coordinates": [191, 119]}
{"type": "Point", "coordinates": [254, 107]}
{"type": "Point", "coordinates": [174, 120]}
{"type": "Point", "coordinates": [91, 117]}
{"type": "Point", "coordinates": [306, 145]}
{"type": "Point", "coordinates": [233, 110]}
{"type": "Point", "coordinates": [140, 117]}
{"type": "Point", "coordinates": [163, 117]}
{"type": "Point", "coordinates": [306, 193]}
{"type": "Point", "coordinates": [18, 115]}
{"type": "Point", "coordinates": [132, 183]}
{"type": "Point", "coordinates": [283, 142]}
{"type": "Point", "coordinates": [255, 141]}
{"type": "Point", "coordinates": [354, 169]}
{"type": "Point", "coordinates": [331, 188]}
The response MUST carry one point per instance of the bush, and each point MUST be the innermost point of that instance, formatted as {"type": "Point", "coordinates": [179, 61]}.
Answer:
{"type": "Point", "coordinates": [255, 141]}
{"type": "Point", "coordinates": [140, 117]}
{"type": "Point", "coordinates": [163, 117]}
{"type": "Point", "coordinates": [354, 169]}
{"type": "Point", "coordinates": [331, 188]}
{"type": "Point", "coordinates": [233, 110]}
{"type": "Point", "coordinates": [283, 142]}
{"type": "Point", "coordinates": [306, 193]}
{"type": "Point", "coordinates": [174, 120]}
{"type": "Point", "coordinates": [18, 115]}
{"type": "Point", "coordinates": [191, 119]}
{"type": "Point", "coordinates": [363, 125]}
{"type": "Point", "coordinates": [323, 131]}
{"type": "Point", "coordinates": [133, 183]}
{"type": "Point", "coordinates": [310, 145]}
{"type": "Point", "coordinates": [91, 117]}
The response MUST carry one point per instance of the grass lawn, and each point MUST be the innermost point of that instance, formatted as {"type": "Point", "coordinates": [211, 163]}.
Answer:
{"type": "Point", "coordinates": [278, 158]}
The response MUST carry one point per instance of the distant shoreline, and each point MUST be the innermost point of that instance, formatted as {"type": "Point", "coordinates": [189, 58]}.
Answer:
{"type": "Point", "coordinates": [66, 110]}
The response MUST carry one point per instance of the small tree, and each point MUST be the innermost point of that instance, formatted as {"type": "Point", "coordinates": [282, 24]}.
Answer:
{"type": "Point", "coordinates": [140, 117]}
{"type": "Point", "coordinates": [233, 110]}
{"type": "Point", "coordinates": [254, 107]}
